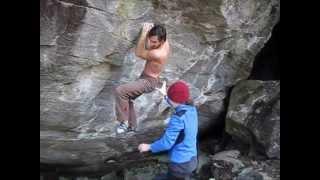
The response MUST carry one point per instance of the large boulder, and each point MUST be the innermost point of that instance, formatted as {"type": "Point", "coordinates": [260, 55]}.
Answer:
{"type": "Point", "coordinates": [254, 115]}
{"type": "Point", "coordinates": [86, 50]}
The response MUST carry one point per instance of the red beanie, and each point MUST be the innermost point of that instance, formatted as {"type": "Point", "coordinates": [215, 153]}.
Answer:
{"type": "Point", "coordinates": [178, 92]}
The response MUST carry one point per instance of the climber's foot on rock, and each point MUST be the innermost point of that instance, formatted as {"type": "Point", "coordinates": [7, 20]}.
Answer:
{"type": "Point", "coordinates": [131, 130]}
{"type": "Point", "coordinates": [122, 128]}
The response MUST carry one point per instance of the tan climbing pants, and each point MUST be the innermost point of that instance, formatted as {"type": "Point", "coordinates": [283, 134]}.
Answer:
{"type": "Point", "coordinates": [126, 93]}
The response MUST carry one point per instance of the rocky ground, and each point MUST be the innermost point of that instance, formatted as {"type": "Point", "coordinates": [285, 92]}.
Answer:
{"type": "Point", "coordinates": [228, 164]}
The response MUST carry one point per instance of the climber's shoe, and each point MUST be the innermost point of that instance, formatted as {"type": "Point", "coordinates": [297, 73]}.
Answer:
{"type": "Point", "coordinates": [131, 130]}
{"type": "Point", "coordinates": [122, 128]}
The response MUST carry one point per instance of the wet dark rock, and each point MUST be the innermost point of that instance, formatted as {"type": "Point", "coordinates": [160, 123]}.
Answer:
{"type": "Point", "coordinates": [249, 174]}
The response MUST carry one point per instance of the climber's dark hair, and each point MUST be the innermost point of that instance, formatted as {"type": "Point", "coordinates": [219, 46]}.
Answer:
{"type": "Point", "coordinates": [158, 30]}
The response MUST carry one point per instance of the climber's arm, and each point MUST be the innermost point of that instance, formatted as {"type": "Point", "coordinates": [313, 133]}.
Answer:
{"type": "Point", "coordinates": [141, 50]}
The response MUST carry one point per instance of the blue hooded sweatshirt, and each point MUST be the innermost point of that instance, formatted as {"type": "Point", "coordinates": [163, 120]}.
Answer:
{"type": "Point", "coordinates": [180, 136]}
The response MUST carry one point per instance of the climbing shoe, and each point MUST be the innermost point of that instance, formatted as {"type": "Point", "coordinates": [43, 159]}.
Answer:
{"type": "Point", "coordinates": [122, 128]}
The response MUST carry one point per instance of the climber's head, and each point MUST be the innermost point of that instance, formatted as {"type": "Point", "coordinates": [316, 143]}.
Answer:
{"type": "Point", "coordinates": [156, 36]}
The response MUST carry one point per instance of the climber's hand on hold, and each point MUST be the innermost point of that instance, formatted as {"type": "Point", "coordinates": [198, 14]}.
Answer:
{"type": "Point", "coordinates": [147, 26]}
{"type": "Point", "coordinates": [144, 147]}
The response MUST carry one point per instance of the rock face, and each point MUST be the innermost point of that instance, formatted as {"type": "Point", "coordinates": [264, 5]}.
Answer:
{"type": "Point", "coordinates": [86, 50]}
{"type": "Point", "coordinates": [254, 115]}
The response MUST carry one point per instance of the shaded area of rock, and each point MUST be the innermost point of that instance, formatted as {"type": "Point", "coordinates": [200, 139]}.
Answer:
{"type": "Point", "coordinates": [86, 50]}
{"type": "Point", "coordinates": [266, 65]}
{"type": "Point", "coordinates": [230, 165]}
{"type": "Point", "coordinates": [254, 116]}
{"type": "Point", "coordinates": [222, 166]}
{"type": "Point", "coordinates": [230, 156]}
{"type": "Point", "coordinates": [249, 174]}
{"type": "Point", "coordinates": [222, 170]}
{"type": "Point", "coordinates": [146, 172]}
{"type": "Point", "coordinates": [208, 168]}
{"type": "Point", "coordinates": [115, 153]}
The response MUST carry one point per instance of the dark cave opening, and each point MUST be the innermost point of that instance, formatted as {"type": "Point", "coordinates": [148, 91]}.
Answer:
{"type": "Point", "coordinates": [266, 65]}
{"type": "Point", "coordinates": [216, 138]}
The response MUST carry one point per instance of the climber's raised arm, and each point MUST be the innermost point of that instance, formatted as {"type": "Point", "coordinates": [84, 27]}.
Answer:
{"type": "Point", "coordinates": [152, 44]}
{"type": "Point", "coordinates": [141, 50]}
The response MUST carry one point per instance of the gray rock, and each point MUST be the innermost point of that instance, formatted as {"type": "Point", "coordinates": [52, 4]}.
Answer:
{"type": "Point", "coordinates": [86, 50]}
{"type": "Point", "coordinates": [222, 166]}
{"type": "Point", "coordinates": [270, 169]}
{"type": "Point", "coordinates": [203, 159]}
{"type": "Point", "coordinates": [254, 115]}
{"type": "Point", "coordinates": [222, 170]}
{"type": "Point", "coordinates": [145, 172]}
{"type": "Point", "coordinates": [249, 174]}
{"type": "Point", "coordinates": [231, 156]}
{"type": "Point", "coordinates": [112, 175]}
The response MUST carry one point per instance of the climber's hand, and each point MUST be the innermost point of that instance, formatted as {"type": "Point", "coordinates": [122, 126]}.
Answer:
{"type": "Point", "coordinates": [144, 147]}
{"type": "Point", "coordinates": [147, 26]}
{"type": "Point", "coordinates": [163, 89]}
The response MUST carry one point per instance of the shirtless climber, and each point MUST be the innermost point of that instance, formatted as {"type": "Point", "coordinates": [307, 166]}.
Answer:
{"type": "Point", "coordinates": [153, 47]}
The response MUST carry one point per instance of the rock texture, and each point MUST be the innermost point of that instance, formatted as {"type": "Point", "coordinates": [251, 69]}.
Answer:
{"type": "Point", "coordinates": [254, 115]}
{"type": "Point", "coordinates": [86, 50]}
{"type": "Point", "coordinates": [230, 165]}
